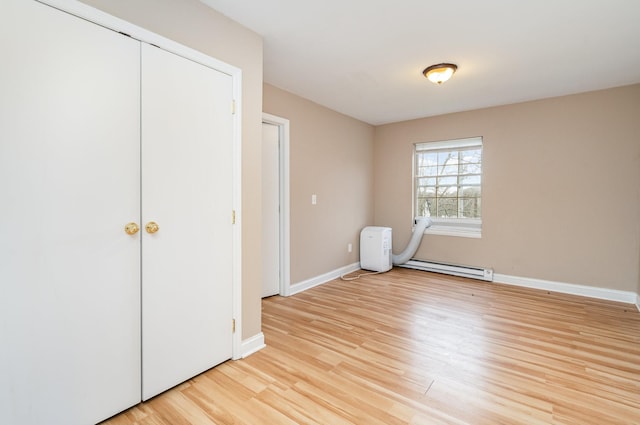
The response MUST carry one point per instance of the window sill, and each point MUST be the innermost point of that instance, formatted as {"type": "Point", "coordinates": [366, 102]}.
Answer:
{"type": "Point", "coordinates": [464, 229]}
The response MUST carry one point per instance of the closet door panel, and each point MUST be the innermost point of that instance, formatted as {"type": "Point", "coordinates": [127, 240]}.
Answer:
{"type": "Point", "coordinates": [187, 191]}
{"type": "Point", "coordinates": [69, 173]}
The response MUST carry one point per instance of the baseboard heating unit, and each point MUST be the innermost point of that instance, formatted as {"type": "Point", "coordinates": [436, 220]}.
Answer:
{"type": "Point", "coordinates": [452, 269]}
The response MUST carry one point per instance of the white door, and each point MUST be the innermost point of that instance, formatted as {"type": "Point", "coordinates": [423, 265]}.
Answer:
{"type": "Point", "coordinates": [69, 173]}
{"type": "Point", "coordinates": [270, 210]}
{"type": "Point", "coordinates": [187, 133]}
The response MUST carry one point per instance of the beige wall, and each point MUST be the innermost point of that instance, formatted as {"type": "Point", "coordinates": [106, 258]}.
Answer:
{"type": "Point", "coordinates": [331, 155]}
{"type": "Point", "coordinates": [561, 187]}
{"type": "Point", "coordinates": [195, 25]}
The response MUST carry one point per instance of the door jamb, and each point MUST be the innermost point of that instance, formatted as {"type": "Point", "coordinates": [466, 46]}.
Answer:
{"type": "Point", "coordinates": [283, 171]}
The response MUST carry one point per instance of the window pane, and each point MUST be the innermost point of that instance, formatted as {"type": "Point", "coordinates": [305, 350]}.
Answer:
{"type": "Point", "coordinates": [447, 158]}
{"type": "Point", "coordinates": [470, 207]}
{"type": "Point", "coordinates": [448, 207]}
{"type": "Point", "coordinates": [426, 191]}
{"type": "Point", "coordinates": [448, 192]}
{"type": "Point", "coordinates": [427, 159]}
{"type": "Point", "coordinates": [426, 181]}
{"type": "Point", "coordinates": [421, 207]}
{"type": "Point", "coordinates": [426, 207]}
{"type": "Point", "coordinates": [447, 181]}
{"type": "Point", "coordinates": [470, 169]}
{"type": "Point", "coordinates": [470, 179]}
{"type": "Point", "coordinates": [449, 170]}
{"type": "Point", "coordinates": [428, 171]}
{"type": "Point", "coordinates": [471, 156]}
{"type": "Point", "coordinates": [470, 191]}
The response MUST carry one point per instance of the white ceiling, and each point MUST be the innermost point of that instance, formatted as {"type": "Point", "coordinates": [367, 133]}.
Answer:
{"type": "Point", "coordinates": [364, 58]}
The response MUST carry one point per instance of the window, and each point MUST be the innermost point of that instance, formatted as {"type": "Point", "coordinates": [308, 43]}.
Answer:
{"type": "Point", "coordinates": [448, 186]}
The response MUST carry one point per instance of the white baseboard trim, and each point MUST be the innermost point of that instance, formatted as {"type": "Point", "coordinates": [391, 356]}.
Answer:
{"type": "Point", "coordinates": [252, 345]}
{"type": "Point", "coordinates": [548, 285]}
{"type": "Point", "coordinates": [319, 280]}
{"type": "Point", "coordinates": [569, 288]}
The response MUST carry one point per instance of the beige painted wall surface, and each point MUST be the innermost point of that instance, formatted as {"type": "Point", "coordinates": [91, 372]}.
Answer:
{"type": "Point", "coordinates": [561, 187]}
{"type": "Point", "coordinates": [199, 27]}
{"type": "Point", "coordinates": [331, 155]}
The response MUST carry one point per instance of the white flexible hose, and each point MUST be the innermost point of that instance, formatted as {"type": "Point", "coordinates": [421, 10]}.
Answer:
{"type": "Point", "coordinates": [414, 243]}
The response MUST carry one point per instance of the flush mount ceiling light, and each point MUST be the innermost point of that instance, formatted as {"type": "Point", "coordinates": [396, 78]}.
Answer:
{"type": "Point", "coordinates": [440, 73]}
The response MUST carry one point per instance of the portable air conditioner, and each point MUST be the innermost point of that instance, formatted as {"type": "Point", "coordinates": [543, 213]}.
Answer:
{"type": "Point", "coordinates": [375, 249]}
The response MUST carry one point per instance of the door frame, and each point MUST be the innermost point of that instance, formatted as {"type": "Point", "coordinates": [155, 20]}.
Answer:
{"type": "Point", "coordinates": [99, 17]}
{"type": "Point", "coordinates": [283, 171]}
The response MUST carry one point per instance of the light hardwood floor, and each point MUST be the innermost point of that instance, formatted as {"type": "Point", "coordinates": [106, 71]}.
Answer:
{"type": "Point", "coordinates": [410, 347]}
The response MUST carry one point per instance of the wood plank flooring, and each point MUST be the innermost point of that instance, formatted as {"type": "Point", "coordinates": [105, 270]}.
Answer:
{"type": "Point", "coordinates": [411, 347]}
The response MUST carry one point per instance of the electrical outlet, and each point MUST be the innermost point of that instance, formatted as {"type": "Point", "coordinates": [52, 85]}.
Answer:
{"type": "Point", "coordinates": [349, 247]}
{"type": "Point", "coordinates": [314, 199]}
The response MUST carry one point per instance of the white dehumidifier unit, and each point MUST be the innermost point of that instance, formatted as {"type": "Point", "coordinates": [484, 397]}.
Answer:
{"type": "Point", "coordinates": [375, 249]}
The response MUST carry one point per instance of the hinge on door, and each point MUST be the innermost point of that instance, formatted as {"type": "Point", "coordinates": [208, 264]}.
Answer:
{"type": "Point", "coordinates": [233, 216]}
{"type": "Point", "coordinates": [233, 325]}
{"type": "Point", "coordinates": [233, 107]}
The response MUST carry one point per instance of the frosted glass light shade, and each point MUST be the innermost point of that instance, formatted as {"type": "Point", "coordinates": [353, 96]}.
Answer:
{"type": "Point", "coordinates": [440, 73]}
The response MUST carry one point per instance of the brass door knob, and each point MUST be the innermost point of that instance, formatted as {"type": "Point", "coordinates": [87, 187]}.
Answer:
{"type": "Point", "coordinates": [131, 228]}
{"type": "Point", "coordinates": [152, 227]}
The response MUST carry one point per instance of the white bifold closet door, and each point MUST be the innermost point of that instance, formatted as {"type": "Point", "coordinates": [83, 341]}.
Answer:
{"type": "Point", "coordinates": [69, 183]}
{"type": "Point", "coordinates": [79, 103]}
{"type": "Point", "coordinates": [187, 126]}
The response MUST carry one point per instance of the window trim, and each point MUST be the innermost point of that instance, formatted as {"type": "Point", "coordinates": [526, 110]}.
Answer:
{"type": "Point", "coordinates": [462, 227]}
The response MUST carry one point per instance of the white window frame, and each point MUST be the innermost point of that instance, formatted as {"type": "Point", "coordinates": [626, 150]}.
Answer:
{"type": "Point", "coordinates": [464, 227]}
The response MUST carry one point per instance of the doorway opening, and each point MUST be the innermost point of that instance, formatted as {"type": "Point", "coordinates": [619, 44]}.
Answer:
{"type": "Point", "coordinates": [275, 211]}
